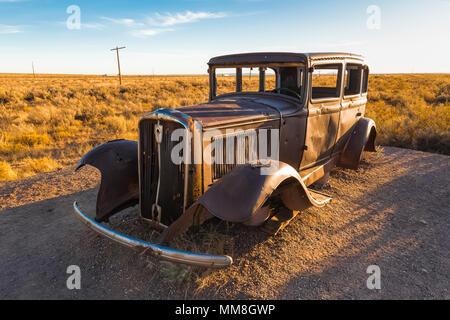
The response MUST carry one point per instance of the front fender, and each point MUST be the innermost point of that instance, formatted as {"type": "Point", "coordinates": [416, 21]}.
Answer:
{"type": "Point", "coordinates": [241, 194]}
{"type": "Point", "coordinates": [118, 164]}
{"type": "Point", "coordinates": [362, 138]}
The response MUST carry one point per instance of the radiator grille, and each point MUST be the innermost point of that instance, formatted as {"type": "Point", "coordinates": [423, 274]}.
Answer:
{"type": "Point", "coordinates": [171, 194]}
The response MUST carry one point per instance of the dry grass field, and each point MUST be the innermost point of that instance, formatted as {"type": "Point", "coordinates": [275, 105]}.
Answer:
{"type": "Point", "coordinates": [49, 121]}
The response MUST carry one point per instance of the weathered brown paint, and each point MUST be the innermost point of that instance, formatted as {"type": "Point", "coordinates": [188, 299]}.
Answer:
{"type": "Point", "coordinates": [118, 164]}
{"type": "Point", "coordinates": [241, 195]}
{"type": "Point", "coordinates": [362, 138]}
{"type": "Point", "coordinates": [315, 135]}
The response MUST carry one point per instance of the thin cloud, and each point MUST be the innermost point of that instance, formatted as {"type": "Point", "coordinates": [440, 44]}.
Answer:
{"type": "Point", "coordinates": [171, 19]}
{"type": "Point", "coordinates": [144, 33]}
{"type": "Point", "coordinates": [160, 23]}
{"type": "Point", "coordinates": [124, 21]}
{"type": "Point", "coordinates": [5, 29]}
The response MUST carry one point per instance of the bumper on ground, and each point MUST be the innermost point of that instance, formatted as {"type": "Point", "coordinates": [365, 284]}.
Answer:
{"type": "Point", "coordinates": [161, 252]}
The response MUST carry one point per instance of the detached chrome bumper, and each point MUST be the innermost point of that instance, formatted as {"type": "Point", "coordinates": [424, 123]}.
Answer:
{"type": "Point", "coordinates": [161, 252]}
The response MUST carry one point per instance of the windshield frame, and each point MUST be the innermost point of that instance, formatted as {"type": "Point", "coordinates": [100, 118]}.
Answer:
{"type": "Point", "coordinates": [301, 74]}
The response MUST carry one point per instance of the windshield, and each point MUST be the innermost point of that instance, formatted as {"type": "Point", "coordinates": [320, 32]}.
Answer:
{"type": "Point", "coordinates": [253, 79]}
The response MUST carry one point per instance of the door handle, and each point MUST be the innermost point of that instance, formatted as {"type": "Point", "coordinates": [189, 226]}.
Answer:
{"type": "Point", "coordinates": [330, 109]}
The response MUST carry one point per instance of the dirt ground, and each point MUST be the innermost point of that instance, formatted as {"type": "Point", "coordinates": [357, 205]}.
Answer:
{"type": "Point", "coordinates": [393, 212]}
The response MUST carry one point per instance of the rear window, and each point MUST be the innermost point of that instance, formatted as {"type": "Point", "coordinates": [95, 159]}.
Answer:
{"type": "Point", "coordinates": [353, 74]}
{"type": "Point", "coordinates": [365, 80]}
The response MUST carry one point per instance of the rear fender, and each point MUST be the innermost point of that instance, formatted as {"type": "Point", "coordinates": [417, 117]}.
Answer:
{"type": "Point", "coordinates": [117, 162]}
{"type": "Point", "coordinates": [362, 139]}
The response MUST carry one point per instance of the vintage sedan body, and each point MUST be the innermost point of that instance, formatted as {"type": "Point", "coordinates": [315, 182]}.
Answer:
{"type": "Point", "coordinates": [247, 156]}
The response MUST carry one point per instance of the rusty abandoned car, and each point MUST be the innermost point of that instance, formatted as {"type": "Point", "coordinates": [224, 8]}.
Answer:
{"type": "Point", "coordinates": [247, 156]}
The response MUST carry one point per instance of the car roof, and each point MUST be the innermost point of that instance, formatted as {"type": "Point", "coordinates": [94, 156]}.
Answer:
{"type": "Point", "coordinates": [280, 57]}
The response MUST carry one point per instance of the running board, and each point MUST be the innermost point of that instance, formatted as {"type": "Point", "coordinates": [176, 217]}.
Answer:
{"type": "Point", "coordinates": [284, 215]}
{"type": "Point", "coordinates": [319, 197]}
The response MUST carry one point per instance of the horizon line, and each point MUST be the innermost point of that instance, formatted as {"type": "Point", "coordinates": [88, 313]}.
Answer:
{"type": "Point", "coordinates": [173, 74]}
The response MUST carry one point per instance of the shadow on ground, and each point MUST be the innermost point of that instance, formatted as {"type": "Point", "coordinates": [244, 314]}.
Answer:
{"type": "Point", "coordinates": [393, 212]}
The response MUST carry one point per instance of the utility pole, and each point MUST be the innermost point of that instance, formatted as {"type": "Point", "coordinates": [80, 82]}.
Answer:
{"type": "Point", "coordinates": [32, 66]}
{"type": "Point", "coordinates": [118, 61]}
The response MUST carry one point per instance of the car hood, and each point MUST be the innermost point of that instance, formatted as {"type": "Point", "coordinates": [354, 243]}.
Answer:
{"type": "Point", "coordinates": [229, 110]}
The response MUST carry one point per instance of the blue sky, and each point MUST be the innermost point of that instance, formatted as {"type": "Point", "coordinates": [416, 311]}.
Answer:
{"type": "Point", "coordinates": [179, 37]}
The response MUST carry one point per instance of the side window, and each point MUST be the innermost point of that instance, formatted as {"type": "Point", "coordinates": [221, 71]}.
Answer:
{"type": "Point", "coordinates": [291, 79]}
{"type": "Point", "coordinates": [353, 73]}
{"type": "Point", "coordinates": [325, 81]}
{"type": "Point", "coordinates": [365, 80]}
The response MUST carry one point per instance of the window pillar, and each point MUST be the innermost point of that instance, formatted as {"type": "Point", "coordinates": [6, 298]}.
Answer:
{"type": "Point", "coordinates": [238, 79]}
{"type": "Point", "coordinates": [212, 83]}
{"type": "Point", "coordinates": [262, 79]}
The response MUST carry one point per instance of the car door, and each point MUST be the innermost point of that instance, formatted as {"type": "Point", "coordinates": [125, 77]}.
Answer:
{"type": "Point", "coordinates": [352, 105]}
{"type": "Point", "coordinates": [323, 113]}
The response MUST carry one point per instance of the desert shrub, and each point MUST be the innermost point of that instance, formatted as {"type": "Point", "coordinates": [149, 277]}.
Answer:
{"type": "Point", "coordinates": [59, 117]}
{"type": "Point", "coordinates": [6, 96]}
{"type": "Point", "coordinates": [411, 111]}
{"type": "Point", "coordinates": [29, 97]}
{"type": "Point", "coordinates": [32, 166]}
{"type": "Point", "coordinates": [40, 115]}
{"type": "Point", "coordinates": [31, 139]}
{"type": "Point", "coordinates": [115, 125]}
{"type": "Point", "coordinates": [6, 172]}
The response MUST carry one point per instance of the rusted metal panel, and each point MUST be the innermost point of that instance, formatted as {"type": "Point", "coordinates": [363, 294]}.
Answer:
{"type": "Point", "coordinates": [241, 193]}
{"type": "Point", "coordinates": [333, 56]}
{"type": "Point", "coordinates": [323, 121]}
{"type": "Point", "coordinates": [210, 168]}
{"type": "Point", "coordinates": [353, 104]}
{"type": "Point", "coordinates": [280, 57]}
{"type": "Point", "coordinates": [352, 110]}
{"type": "Point", "coordinates": [320, 172]}
{"type": "Point", "coordinates": [292, 138]}
{"type": "Point", "coordinates": [118, 163]}
{"type": "Point", "coordinates": [241, 196]}
{"type": "Point", "coordinates": [321, 131]}
{"type": "Point", "coordinates": [258, 58]}
{"type": "Point", "coordinates": [314, 135]}
{"type": "Point", "coordinates": [363, 134]}
{"type": "Point", "coordinates": [232, 110]}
